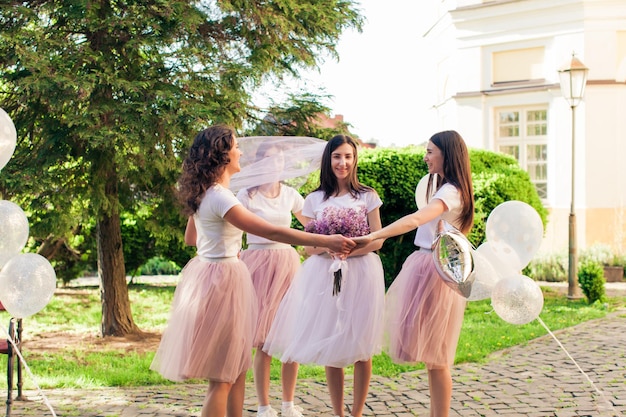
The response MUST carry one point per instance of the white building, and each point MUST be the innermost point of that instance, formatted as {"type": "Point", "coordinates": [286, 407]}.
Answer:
{"type": "Point", "coordinates": [497, 83]}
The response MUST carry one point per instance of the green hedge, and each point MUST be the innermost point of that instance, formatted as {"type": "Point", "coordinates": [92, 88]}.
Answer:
{"type": "Point", "coordinates": [394, 173]}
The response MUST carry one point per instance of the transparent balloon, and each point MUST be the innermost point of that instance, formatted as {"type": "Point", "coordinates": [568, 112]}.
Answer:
{"type": "Point", "coordinates": [13, 230]}
{"type": "Point", "coordinates": [8, 138]}
{"type": "Point", "coordinates": [517, 299]}
{"type": "Point", "coordinates": [485, 277]}
{"type": "Point", "coordinates": [500, 265]}
{"type": "Point", "coordinates": [27, 283]}
{"type": "Point", "coordinates": [514, 230]}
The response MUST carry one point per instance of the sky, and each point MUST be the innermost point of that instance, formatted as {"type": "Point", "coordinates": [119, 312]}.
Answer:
{"type": "Point", "coordinates": [377, 81]}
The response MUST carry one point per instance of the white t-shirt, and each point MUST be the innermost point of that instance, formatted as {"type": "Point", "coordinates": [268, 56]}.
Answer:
{"type": "Point", "coordinates": [426, 233]}
{"type": "Point", "coordinates": [216, 237]}
{"type": "Point", "coordinates": [275, 210]}
{"type": "Point", "coordinates": [314, 203]}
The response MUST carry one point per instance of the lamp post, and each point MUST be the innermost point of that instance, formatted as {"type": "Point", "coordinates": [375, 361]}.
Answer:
{"type": "Point", "coordinates": [573, 77]}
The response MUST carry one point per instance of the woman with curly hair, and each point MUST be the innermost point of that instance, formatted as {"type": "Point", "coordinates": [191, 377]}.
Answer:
{"type": "Point", "coordinates": [211, 328]}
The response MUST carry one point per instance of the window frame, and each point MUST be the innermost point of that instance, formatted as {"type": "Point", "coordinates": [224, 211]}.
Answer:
{"type": "Point", "coordinates": [524, 140]}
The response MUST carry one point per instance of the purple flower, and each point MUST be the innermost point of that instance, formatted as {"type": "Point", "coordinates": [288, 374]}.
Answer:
{"type": "Point", "coordinates": [345, 221]}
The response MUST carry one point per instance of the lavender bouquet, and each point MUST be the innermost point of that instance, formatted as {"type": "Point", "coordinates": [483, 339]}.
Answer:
{"type": "Point", "coordinates": [346, 221]}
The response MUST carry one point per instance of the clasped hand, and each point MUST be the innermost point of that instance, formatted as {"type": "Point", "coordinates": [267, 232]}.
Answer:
{"type": "Point", "coordinates": [348, 245]}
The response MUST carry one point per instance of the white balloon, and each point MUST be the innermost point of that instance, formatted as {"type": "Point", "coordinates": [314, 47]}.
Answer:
{"type": "Point", "coordinates": [514, 230]}
{"type": "Point", "coordinates": [485, 277]}
{"type": "Point", "coordinates": [27, 283]}
{"type": "Point", "coordinates": [421, 199]}
{"type": "Point", "coordinates": [13, 230]}
{"type": "Point", "coordinates": [506, 254]}
{"type": "Point", "coordinates": [420, 192]}
{"type": "Point", "coordinates": [501, 266]}
{"type": "Point", "coordinates": [8, 138]}
{"type": "Point", "coordinates": [517, 299]}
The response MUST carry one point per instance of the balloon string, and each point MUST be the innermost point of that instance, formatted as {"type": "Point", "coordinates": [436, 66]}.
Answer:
{"type": "Point", "coordinates": [577, 366]}
{"type": "Point", "coordinates": [19, 354]}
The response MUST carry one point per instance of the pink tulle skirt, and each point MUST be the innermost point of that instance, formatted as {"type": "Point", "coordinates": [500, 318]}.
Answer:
{"type": "Point", "coordinates": [211, 325]}
{"type": "Point", "coordinates": [272, 271]}
{"type": "Point", "coordinates": [313, 326]}
{"type": "Point", "coordinates": [423, 315]}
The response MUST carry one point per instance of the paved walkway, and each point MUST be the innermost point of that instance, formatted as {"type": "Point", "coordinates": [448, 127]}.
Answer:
{"type": "Point", "coordinates": [537, 379]}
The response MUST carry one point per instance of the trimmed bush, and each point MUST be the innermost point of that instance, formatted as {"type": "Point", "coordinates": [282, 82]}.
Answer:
{"type": "Point", "coordinates": [159, 266]}
{"type": "Point", "coordinates": [394, 174]}
{"type": "Point", "coordinates": [591, 281]}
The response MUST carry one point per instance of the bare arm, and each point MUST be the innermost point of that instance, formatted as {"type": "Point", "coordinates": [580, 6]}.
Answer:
{"type": "Point", "coordinates": [311, 250]}
{"type": "Point", "coordinates": [405, 224]}
{"type": "Point", "coordinates": [247, 221]}
{"type": "Point", "coordinates": [302, 218]}
{"type": "Point", "coordinates": [190, 232]}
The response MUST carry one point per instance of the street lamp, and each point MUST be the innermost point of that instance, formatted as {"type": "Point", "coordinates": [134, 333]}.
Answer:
{"type": "Point", "coordinates": [573, 77]}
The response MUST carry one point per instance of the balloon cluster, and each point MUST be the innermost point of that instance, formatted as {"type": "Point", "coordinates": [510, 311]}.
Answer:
{"type": "Point", "coordinates": [514, 232]}
{"type": "Point", "coordinates": [27, 280]}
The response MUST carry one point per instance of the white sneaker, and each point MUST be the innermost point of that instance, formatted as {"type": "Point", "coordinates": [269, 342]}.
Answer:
{"type": "Point", "coordinates": [295, 411]}
{"type": "Point", "coordinates": [270, 412]}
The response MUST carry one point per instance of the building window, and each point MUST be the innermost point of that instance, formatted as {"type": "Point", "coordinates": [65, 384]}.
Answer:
{"type": "Point", "coordinates": [517, 66]}
{"type": "Point", "coordinates": [523, 134]}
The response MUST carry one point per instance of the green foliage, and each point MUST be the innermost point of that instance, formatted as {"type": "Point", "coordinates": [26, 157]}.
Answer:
{"type": "Point", "coordinates": [138, 244]}
{"type": "Point", "coordinates": [601, 254]}
{"type": "Point", "coordinates": [549, 268]}
{"type": "Point", "coordinates": [394, 173]}
{"type": "Point", "coordinates": [107, 97]}
{"type": "Point", "coordinates": [79, 364]}
{"type": "Point", "coordinates": [591, 281]}
{"type": "Point", "coordinates": [106, 100]}
{"type": "Point", "coordinates": [159, 266]}
{"type": "Point", "coordinates": [498, 178]}
{"type": "Point", "coordinates": [298, 116]}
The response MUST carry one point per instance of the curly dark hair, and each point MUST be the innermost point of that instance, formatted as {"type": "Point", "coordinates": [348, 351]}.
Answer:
{"type": "Point", "coordinates": [203, 166]}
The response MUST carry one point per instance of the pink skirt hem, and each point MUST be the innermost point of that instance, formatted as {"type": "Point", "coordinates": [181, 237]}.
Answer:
{"type": "Point", "coordinates": [314, 326]}
{"type": "Point", "coordinates": [423, 315]}
{"type": "Point", "coordinates": [272, 271]}
{"type": "Point", "coordinates": [211, 325]}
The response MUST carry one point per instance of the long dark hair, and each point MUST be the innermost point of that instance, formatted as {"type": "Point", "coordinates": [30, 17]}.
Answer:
{"type": "Point", "coordinates": [204, 165]}
{"type": "Point", "coordinates": [456, 171]}
{"type": "Point", "coordinates": [328, 181]}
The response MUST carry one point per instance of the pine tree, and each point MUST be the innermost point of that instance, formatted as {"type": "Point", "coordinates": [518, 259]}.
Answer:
{"type": "Point", "coordinates": [106, 96]}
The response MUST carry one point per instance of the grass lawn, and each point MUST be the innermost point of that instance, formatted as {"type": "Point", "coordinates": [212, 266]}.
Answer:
{"type": "Point", "coordinates": [62, 346]}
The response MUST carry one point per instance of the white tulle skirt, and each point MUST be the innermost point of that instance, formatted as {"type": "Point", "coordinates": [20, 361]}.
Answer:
{"type": "Point", "coordinates": [313, 326]}
{"type": "Point", "coordinates": [211, 325]}
{"type": "Point", "coordinates": [272, 271]}
{"type": "Point", "coordinates": [423, 315]}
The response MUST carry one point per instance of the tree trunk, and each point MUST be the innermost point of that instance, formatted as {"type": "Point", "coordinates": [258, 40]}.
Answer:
{"type": "Point", "coordinates": [117, 318]}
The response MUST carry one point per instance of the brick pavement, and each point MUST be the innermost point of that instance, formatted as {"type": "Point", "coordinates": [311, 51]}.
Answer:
{"type": "Point", "coordinates": [536, 379]}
